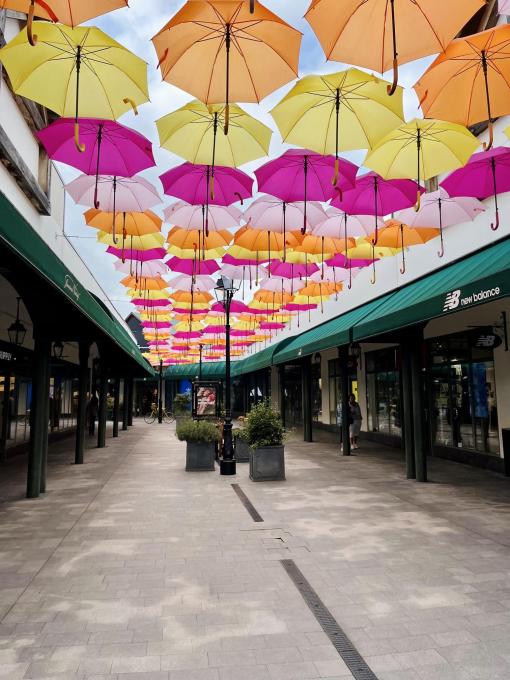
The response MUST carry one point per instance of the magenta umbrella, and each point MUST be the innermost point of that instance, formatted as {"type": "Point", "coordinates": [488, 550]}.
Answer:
{"type": "Point", "coordinates": [303, 175]}
{"type": "Point", "coordinates": [191, 183]}
{"type": "Point", "coordinates": [156, 324]}
{"type": "Point", "coordinates": [486, 174]}
{"type": "Point", "coordinates": [139, 302]}
{"type": "Point", "coordinates": [288, 270]}
{"type": "Point", "coordinates": [138, 255]}
{"type": "Point", "coordinates": [111, 148]}
{"type": "Point", "coordinates": [207, 218]}
{"type": "Point", "coordinates": [237, 307]}
{"type": "Point", "coordinates": [373, 195]}
{"type": "Point", "coordinates": [192, 267]}
{"type": "Point", "coordinates": [352, 265]}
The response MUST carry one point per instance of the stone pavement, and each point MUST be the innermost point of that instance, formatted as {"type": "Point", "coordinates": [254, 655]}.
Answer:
{"type": "Point", "coordinates": [132, 569]}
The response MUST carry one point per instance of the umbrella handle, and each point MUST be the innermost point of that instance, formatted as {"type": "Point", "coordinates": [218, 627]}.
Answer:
{"type": "Point", "coordinates": [392, 88]}
{"type": "Point", "coordinates": [32, 39]}
{"type": "Point", "coordinates": [127, 100]}
{"type": "Point", "coordinates": [495, 225]}
{"type": "Point", "coordinates": [441, 252]}
{"type": "Point", "coordinates": [488, 145]}
{"type": "Point", "coordinates": [81, 147]}
{"type": "Point", "coordinates": [252, 6]}
{"type": "Point", "coordinates": [236, 193]}
{"type": "Point", "coordinates": [334, 181]}
{"type": "Point", "coordinates": [417, 205]}
{"type": "Point", "coordinates": [211, 187]}
{"type": "Point", "coordinates": [227, 119]}
{"type": "Point", "coordinates": [97, 203]}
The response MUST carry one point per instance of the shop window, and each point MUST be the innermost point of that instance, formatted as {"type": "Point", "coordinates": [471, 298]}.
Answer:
{"type": "Point", "coordinates": [384, 406]}
{"type": "Point", "coordinates": [335, 390]}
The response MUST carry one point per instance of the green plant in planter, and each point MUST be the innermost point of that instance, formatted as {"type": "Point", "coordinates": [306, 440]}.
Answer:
{"type": "Point", "coordinates": [264, 427]}
{"type": "Point", "coordinates": [197, 431]}
{"type": "Point", "coordinates": [181, 403]}
{"type": "Point", "coordinates": [239, 433]}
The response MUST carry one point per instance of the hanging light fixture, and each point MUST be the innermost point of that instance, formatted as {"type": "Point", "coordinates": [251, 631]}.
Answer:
{"type": "Point", "coordinates": [17, 330]}
{"type": "Point", "coordinates": [58, 349]}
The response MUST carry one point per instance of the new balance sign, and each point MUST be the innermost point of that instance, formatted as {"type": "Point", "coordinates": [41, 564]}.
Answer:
{"type": "Point", "coordinates": [455, 300]}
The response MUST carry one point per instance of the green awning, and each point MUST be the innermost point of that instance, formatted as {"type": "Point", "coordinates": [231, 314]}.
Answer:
{"type": "Point", "coordinates": [472, 281]}
{"type": "Point", "coordinates": [210, 371]}
{"type": "Point", "coordinates": [260, 360]}
{"type": "Point", "coordinates": [19, 236]}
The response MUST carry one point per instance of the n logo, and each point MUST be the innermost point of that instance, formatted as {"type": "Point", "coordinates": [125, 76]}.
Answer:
{"type": "Point", "coordinates": [452, 301]}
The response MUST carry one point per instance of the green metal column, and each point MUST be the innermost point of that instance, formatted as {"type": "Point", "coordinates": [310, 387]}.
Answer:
{"type": "Point", "coordinates": [103, 407]}
{"type": "Point", "coordinates": [116, 408]}
{"type": "Point", "coordinates": [420, 445]}
{"type": "Point", "coordinates": [38, 413]}
{"type": "Point", "coordinates": [406, 349]}
{"type": "Point", "coordinates": [81, 424]}
{"type": "Point", "coordinates": [44, 459]}
{"type": "Point", "coordinates": [5, 416]}
{"type": "Point", "coordinates": [343, 355]}
{"type": "Point", "coordinates": [125, 406]}
{"type": "Point", "coordinates": [131, 391]}
{"type": "Point", "coordinates": [281, 375]}
{"type": "Point", "coordinates": [306, 383]}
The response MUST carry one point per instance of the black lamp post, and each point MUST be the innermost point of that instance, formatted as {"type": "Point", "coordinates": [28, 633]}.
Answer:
{"type": "Point", "coordinates": [17, 330]}
{"type": "Point", "coordinates": [160, 393]}
{"type": "Point", "coordinates": [225, 291]}
{"type": "Point", "coordinates": [201, 348]}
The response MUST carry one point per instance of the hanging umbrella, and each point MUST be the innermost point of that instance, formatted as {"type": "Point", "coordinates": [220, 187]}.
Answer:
{"type": "Point", "coordinates": [373, 195]}
{"type": "Point", "coordinates": [381, 34]}
{"type": "Point", "coordinates": [195, 216]}
{"type": "Point", "coordinates": [504, 7]}
{"type": "Point", "coordinates": [366, 251]}
{"type": "Point", "coordinates": [191, 267]}
{"type": "Point", "coordinates": [132, 223]}
{"type": "Point", "coordinates": [188, 239]}
{"type": "Point", "coordinates": [399, 236]}
{"type": "Point", "coordinates": [487, 174]}
{"type": "Point", "coordinates": [423, 149]}
{"type": "Point", "coordinates": [145, 242]}
{"type": "Point", "coordinates": [69, 12]}
{"type": "Point", "coordinates": [79, 72]}
{"type": "Point", "coordinates": [338, 112]}
{"type": "Point", "coordinates": [145, 283]}
{"type": "Point", "coordinates": [191, 183]}
{"type": "Point", "coordinates": [151, 269]}
{"type": "Point", "coordinates": [293, 270]}
{"type": "Point", "coordinates": [470, 81]}
{"type": "Point", "coordinates": [200, 283]}
{"type": "Point", "coordinates": [137, 255]}
{"type": "Point", "coordinates": [280, 284]}
{"type": "Point", "coordinates": [441, 210]}
{"type": "Point", "coordinates": [231, 53]}
{"type": "Point", "coordinates": [110, 148]}
{"type": "Point", "coordinates": [302, 175]}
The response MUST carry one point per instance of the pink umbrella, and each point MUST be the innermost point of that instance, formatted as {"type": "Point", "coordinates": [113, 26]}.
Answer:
{"type": "Point", "coordinates": [437, 208]}
{"type": "Point", "coordinates": [192, 267]}
{"type": "Point", "coordinates": [373, 195]}
{"type": "Point", "coordinates": [110, 148]}
{"type": "Point", "coordinates": [338, 224]}
{"type": "Point", "coordinates": [303, 175]}
{"type": "Point", "coordinates": [271, 326]}
{"type": "Point", "coordinates": [190, 312]}
{"type": "Point", "coordinates": [292, 271]}
{"type": "Point", "coordinates": [199, 284]}
{"type": "Point", "coordinates": [140, 302]}
{"type": "Point", "coordinates": [191, 183]}
{"type": "Point", "coordinates": [237, 307]}
{"type": "Point", "coordinates": [187, 335]}
{"type": "Point", "coordinates": [207, 218]}
{"type": "Point", "coordinates": [486, 174]}
{"type": "Point", "coordinates": [243, 271]}
{"type": "Point", "coordinates": [334, 275]}
{"type": "Point", "coordinates": [138, 255]}
{"type": "Point", "coordinates": [279, 284]}
{"type": "Point", "coordinates": [156, 324]}
{"type": "Point", "coordinates": [504, 7]}
{"type": "Point", "coordinates": [351, 265]}
{"type": "Point", "coordinates": [150, 269]}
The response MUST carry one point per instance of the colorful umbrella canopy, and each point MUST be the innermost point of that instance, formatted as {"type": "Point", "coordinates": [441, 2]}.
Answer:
{"type": "Point", "coordinates": [154, 268]}
{"type": "Point", "coordinates": [208, 218]}
{"type": "Point", "coordinates": [145, 283]}
{"type": "Point", "coordinates": [145, 242]}
{"type": "Point", "coordinates": [486, 174]}
{"type": "Point", "coordinates": [302, 175]}
{"type": "Point", "coordinates": [380, 34]}
{"type": "Point", "coordinates": [192, 267]}
{"type": "Point", "coordinates": [137, 255]}
{"type": "Point", "coordinates": [439, 209]}
{"type": "Point", "coordinates": [339, 224]}
{"type": "Point", "coordinates": [422, 149]}
{"type": "Point", "coordinates": [469, 82]}
{"type": "Point", "coordinates": [188, 283]}
{"type": "Point", "coordinates": [399, 236]}
{"type": "Point", "coordinates": [504, 7]}
{"type": "Point", "coordinates": [191, 183]}
{"type": "Point", "coordinates": [338, 112]}
{"type": "Point", "coordinates": [232, 53]}
{"type": "Point", "coordinates": [80, 72]}
{"type": "Point", "coordinates": [189, 239]}
{"type": "Point", "coordinates": [126, 223]}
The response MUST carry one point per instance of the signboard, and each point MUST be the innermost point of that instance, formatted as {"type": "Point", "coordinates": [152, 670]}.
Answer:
{"type": "Point", "coordinates": [461, 298]}
{"type": "Point", "coordinates": [485, 338]}
{"type": "Point", "coordinates": [206, 399]}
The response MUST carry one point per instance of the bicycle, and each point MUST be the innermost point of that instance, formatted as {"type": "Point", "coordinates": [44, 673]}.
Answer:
{"type": "Point", "coordinates": [153, 415]}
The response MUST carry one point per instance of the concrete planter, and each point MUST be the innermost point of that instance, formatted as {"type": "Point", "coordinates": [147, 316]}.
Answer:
{"type": "Point", "coordinates": [200, 456]}
{"type": "Point", "coordinates": [267, 464]}
{"type": "Point", "coordinates": [242, 451]}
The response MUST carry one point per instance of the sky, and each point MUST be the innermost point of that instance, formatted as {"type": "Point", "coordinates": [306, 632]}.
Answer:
{"type": "Point", "coordinates": [134, 28]}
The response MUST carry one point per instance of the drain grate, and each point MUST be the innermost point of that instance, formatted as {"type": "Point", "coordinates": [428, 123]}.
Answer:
{"type": "Point", "coordinates": [247, 503]}
{"type": "Point", "coordinates": [352, 658]}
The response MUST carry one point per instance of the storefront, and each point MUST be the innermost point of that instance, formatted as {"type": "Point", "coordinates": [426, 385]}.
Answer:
{"type": "Point", "coordinates": [383, 392]}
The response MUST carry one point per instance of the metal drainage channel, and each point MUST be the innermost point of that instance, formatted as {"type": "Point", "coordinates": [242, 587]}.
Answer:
{"type": "Point", "coordinates": [352, 658]}
{"type": "Point", "coordinates": [247, 503]}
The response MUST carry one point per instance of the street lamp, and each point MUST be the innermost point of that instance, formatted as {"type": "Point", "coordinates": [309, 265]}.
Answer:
{"type": "Point", "coordinates": [225, 291]}
{"type": "Point", "coordinates": [160, 393]}
{"type": "Point", "coordinates": [17, 330]}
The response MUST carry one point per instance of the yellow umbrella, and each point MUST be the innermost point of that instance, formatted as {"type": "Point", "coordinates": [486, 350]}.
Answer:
{"type": "Point", "coordinates": [80, 72]}
{"type": "Point", "coordinates": [196, 253]}
{"type": "Point", "coordinates": [338, 112]}
{"type": "Point", "coordinates": [192, 133]}
{"type": "Point", "coordinates": [422, 149]}
{"type": "Point", "coordinates": [221, 52]}
{"type": "Point", "coordinates": [148, 294]}
{"type": "Point", "coordinates": [145, 242]}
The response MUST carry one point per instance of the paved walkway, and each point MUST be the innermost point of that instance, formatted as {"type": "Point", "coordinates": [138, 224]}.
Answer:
{"type": "Point", "coordinates": [130, 568]}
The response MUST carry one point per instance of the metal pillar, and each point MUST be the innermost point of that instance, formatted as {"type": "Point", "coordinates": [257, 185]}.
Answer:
{"type": "Point", "coordinates": [103, 407]}
{"type": "Point", "coordinates": [5, 417]}
{"type": "Point", "coordinates": [125, 406]}
{"type": "Point", "coordinates": [307, 399]}
{"type": "Point", "coordinates": [44, 459]}
{"type": "Point", "coordinates": [81, 424]}
{"type": "Point", "coordinates": [420, 447]}
{"type": "Point", "coordinates": [38, 413]}
{"type": "Point", "coordinates": [406, 350]}
{"type": "Point", "coordinates": [228, 461]}
{"type": "Point", "coordinates": [160, 392]}
{"type": "Point", "coordinates": [131, 397]}
{"type": "Point", "coordinates": [281, 375]}
{"type": "Point", "coordinates": [116, 408]}
{"type": "Point", "coordinates": [343, 355]}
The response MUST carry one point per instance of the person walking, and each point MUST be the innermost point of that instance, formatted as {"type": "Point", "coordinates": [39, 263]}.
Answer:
{"type": "Point", "coordinates": [92, 411]}
{"type": "Point", "coordinates": [354, 421]}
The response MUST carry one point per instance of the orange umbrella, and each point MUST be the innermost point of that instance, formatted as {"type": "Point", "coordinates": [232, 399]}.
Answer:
{"type": "Point", "coordinates": [188, 239]}
{"type": "Point", "coordinates": [324, 246]}
{"type": "Point", "coordinates": [69, 12]}
{"type": "Point", "coordinates": [400, 236]}
{"type": "Point", "coordinates": [145, 283]}
{"type": "Point", "coordinates": [272, 297]}
{"type": "Point", "coordinates": [183, 296]}
{"type": "Point", "coordinates": [127, 223]}
{"type": "Point", "coordinates": [222, 52]}
{"type": "Point", "coordinates": [470, 81]}
{"type": "Point", "coordinates": [380, 34]}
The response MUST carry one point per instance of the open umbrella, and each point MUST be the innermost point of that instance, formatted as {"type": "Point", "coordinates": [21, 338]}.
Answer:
{"type": "Point", "coordinates": [399, 236]}
{"type": "Point", "coordinates": [470, 81]}
{"type": "Point", "coordinates": [380, 34]}
{"type": "Point", "coordinates": [422, 149]}
{"type": "Point", "coordinates": [154, 268]}
{"type": "Point", "coordinates": [230, 53]}
{"type": "Point", "coordinates": [194, 216]}
{"type": "Point", "coordinates": [303, 175]}
{"type": "Point", "coordinates": [486, 174]}
{"type": "Point", "coordinates": [191, 183]}
{"type": "Point", "coordinates": [110, 148]}
{"type": "Point", "coordinates": [79, 72]}
{"type": "Point", "coordinates": [438, 209]}
{"type": "Point", "coordinates": [191, 267]}
{"type": "Point", "coordinates": [504, 7]}
{"type": "Point", "coordinates": [338, 112]}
